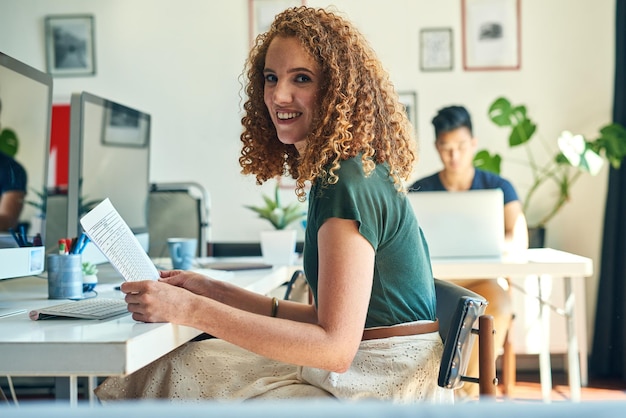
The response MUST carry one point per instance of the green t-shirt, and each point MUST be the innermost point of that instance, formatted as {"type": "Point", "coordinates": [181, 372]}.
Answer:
{"type": "Point", "coordinates": [403, 287]}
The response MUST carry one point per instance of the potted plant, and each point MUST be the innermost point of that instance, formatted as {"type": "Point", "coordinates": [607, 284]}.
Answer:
{"type": "Point", "coordinates": [573, 156]}
{"type": "Point", "coordinates": [38, 219]}
{"type": "Point", "coordinates": [40, 203]}
{"type": "Point", "coordinates": [278, 245]}
{"type": "Point", "coordinates": [90, 278]}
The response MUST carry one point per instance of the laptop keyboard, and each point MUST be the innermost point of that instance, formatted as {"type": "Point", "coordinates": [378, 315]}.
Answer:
{"type": "Point", "coordinates": [95, 308]}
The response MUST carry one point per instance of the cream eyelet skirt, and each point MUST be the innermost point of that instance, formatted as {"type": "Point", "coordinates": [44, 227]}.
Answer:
{"type": "Point", "coordinates": [397, 369]}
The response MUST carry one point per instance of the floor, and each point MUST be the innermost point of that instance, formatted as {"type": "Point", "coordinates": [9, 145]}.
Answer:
{"type": "Point", "coordinates": [528, 389]}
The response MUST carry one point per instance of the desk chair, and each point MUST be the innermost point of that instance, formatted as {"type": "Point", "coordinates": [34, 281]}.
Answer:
{"type": "Point", "coordinates": [458, 309]}
{"type": "Point", "coordinates": [177, 210]}
{"type": "Point", "coordinates": [297, 288]}
{"type": "Point", "coordinates": [56, 219]}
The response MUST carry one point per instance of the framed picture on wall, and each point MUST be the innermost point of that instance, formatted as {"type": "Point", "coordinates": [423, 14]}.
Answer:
{"type": "Point", "coordinates": [261, 13]}
{"type": "Point", "coordinates": [491, 34]}
{"type": "Point", "coordinates": [70, 45]}
{"type": "Point", "coordinates": [409, 100]}
{"type": "Point", "coordinates": [436, 49]}
{"type": "Point", "coordinates": [123, 126]}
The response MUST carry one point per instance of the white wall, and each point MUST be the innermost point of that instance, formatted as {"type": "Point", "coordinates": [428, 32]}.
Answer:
{"type": "Point", "coordinates": [180, 61]}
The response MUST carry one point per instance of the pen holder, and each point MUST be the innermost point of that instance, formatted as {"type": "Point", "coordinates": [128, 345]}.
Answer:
{"type": "Point", "coordinates": [65, 276]}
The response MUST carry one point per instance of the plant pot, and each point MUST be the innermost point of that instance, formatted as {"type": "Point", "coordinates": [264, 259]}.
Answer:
{"type": "Point", "coordinates": [89, 282]}
{"type": "Point", "coordinates": [536, 237]}
{"type": "Point", "coordinates": [278, 246]}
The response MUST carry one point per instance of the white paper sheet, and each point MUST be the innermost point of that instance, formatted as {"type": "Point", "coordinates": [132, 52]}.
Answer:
{"type": "Point", "coordinates": [105, 227]}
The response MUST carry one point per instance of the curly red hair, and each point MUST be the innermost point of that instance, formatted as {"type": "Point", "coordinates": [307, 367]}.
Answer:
{"type": "Point", "coordinates": [358, 109]}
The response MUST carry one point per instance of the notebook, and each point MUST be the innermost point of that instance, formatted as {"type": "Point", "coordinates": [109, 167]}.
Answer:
{"type": "Point", "coordinates": [466, 224]}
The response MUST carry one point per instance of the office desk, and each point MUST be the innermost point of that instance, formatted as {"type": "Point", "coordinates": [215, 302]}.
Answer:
{"type": "Point", "coordinates": [73, 348]}
{"type": "Point", "coordinates": [540, 262]}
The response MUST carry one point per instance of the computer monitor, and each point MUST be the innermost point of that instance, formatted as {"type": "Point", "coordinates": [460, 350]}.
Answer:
{"type": "Point", "coordinates": [109, 157]}
{"type": "Point", "coordinates": [26, 107]}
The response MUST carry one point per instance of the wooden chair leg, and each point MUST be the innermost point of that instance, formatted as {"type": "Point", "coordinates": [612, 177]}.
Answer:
{"type": "Point", "coordinates": [486, 357]}
{"type": "Point", "coordinates": [509, 367]}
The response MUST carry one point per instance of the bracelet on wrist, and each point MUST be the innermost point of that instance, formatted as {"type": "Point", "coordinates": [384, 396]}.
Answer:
{"type": "Point", "coordinates": [274, 307]}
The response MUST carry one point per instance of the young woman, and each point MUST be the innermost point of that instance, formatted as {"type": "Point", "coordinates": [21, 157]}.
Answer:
{"type": "Point", "coordinates": [321, 109]}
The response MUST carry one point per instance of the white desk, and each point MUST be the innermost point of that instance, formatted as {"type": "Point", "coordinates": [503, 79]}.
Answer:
{"type": "Point", "coordinates": [120, 346]}
{"type": "Point", "coordinates": [73, 348]}
{"type": "Point", "coordinates": [539, 262]}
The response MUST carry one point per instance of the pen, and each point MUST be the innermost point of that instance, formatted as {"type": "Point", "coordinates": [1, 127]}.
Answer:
{"type": "Point", "coordinates": [16, 237]}
{"type": "Point", "coordinates": [72, 245]}
{"type": "Point", "coordinates": [84, 244]}
{"type": "Point", "coordinates": [23, 235]}
{"type": "Point", "coordinates": [37, 241]}
{"type": "Point", "coordinates": [64, 246]}
{"type": "Point", "coordinates": [80, 244]}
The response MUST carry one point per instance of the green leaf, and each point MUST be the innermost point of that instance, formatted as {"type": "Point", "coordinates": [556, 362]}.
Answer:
{"type": "Point", "coordinates": [503, 114]}
{"type": "Point", "coordinates": [612, 141]}
{"type": "Point", "coordinates": [271, 205]}
{"type": "Point", "coordinates": [562, 159]}
{"type": "Point", "coordinates": [9, 144]}
{"type": "Point", "coordinates": [500, 111]}
{"type": "Point", "coordinates": [280, 217]}
{"type": "Point", "coordinates": [518, 115]}
{"type": "Point", "coordinates": [522, 132]}
{"type": "Point", "coordinates": [89, 268]}
{"type": "Point", "coordinates": [487, 162]}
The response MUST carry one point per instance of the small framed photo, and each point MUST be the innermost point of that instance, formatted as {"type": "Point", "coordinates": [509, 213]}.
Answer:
{"type": "Point", "coordinates": [409, 100]}
{"type": "Point", "coordinates": [261, 14]}
{"type": "Point", "coordinates": [436, 49]}
{"type": "Point", "coordinates": [491, 34]}
{"type": "Point", "coordinates": [123, 126]}
{"type": "Point", "coordinates": [70, 45]}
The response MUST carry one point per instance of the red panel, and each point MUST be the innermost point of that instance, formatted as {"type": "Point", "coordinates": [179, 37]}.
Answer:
{"type": "Point", "coordinates": [59, 141]}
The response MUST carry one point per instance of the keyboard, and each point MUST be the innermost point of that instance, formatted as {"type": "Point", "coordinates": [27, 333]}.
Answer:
{"type": "Point", "coordinates": [95, 308]}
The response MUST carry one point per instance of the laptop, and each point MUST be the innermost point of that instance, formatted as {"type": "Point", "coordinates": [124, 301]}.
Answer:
{"type": "Point", "coordinates": [467, 224]}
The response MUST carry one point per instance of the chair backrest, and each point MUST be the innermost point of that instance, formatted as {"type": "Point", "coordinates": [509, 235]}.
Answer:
{"type": "Point", "coordinates": [177, 210]}
{"type": "Point", "coordinates": [457, 309]}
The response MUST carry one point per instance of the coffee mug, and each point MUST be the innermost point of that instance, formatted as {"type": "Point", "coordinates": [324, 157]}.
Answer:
{"type": "Point", "coordinates": [65, 276]}
{"type": "Point", "coordinates": [182, 252]}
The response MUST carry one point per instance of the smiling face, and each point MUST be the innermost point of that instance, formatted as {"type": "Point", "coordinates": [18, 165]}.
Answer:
{"type": "Point", "coordinates": [292, 83]}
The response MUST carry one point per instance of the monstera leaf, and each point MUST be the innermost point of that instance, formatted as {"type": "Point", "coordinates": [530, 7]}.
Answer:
{"type": "Point", "coordinates": [9, 143]}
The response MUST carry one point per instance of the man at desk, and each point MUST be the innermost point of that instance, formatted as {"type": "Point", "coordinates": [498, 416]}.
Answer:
{"type": "Point", "coordinates": [12, 186]}
{"type": "Point", "coordinates": [456, 145]}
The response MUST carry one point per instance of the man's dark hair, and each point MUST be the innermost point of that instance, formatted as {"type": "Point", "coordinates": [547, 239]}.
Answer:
{"type": "Point", "coordinates": [450, 118]}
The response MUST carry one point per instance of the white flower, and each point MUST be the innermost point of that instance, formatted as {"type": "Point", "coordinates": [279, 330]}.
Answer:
{"type": "Point", "coordinates": [574, 148]}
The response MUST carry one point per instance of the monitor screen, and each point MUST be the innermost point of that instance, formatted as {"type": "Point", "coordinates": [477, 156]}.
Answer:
{"type": "Point", "coordinates": [109, 155]}
{"type": "Point", "coordinates": [25, 113]}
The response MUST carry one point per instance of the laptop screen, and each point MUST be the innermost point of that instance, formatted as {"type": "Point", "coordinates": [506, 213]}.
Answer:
{"type": "Point", "coordinates": [461, 224]}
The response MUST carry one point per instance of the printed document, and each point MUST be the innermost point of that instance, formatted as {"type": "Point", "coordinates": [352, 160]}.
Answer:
{"type": "Point", "coordinates": [112, 235]}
